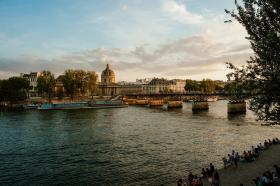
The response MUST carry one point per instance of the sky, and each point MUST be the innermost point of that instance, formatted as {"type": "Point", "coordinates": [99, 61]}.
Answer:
{"type": "Point", "coordinates": [138, 38]}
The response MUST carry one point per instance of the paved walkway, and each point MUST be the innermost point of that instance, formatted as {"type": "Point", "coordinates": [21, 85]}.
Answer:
{"type": "Point", "coordinates": [245, 172]}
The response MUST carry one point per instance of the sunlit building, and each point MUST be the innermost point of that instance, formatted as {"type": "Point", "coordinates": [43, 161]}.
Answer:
{"type": "Point", "coordinates": [161, 85]}
{"type": "Point", "coordinates": [108, 85]}
{"type": "Point", "coordinates": [32, 78]}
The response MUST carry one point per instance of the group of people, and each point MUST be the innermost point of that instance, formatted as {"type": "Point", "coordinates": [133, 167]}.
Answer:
{"type": "Point", "coordinates": [248, 156]}
{"type": "Point", "coordinates": [232, 159]}
{"type": "Point", "coordinates": [268, 177]}
{"type": "Point", "coordinates": [211, 174]}
{"type": "Point", "coordinates": [194, 180]}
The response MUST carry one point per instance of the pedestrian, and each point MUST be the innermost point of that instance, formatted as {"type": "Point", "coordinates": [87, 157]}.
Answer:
{"type": "Point", "coordinates": [236, 159]}
{"type": "Point", "coordinates": [216, 179]}
{"type": "Point", "coordinates": [212, 168]}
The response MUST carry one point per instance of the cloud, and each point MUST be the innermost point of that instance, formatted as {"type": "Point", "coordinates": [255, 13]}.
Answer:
{"type": "Point", "coordinates": [199, 55]}
{"type": "Point", "coordinates": [178, 12]}
{"type": "Point", "coordinates": [124, 7]}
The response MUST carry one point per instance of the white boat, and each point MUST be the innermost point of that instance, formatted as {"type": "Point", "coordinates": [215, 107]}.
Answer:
{"type": "Point", "coordinates": [82, 105]}
{"type": "Point", "coordinates": [106, 104]}
{"type": "Point", "coordinates": [212, 99]}
{"type": "Point", "coordinates": [31, 106]}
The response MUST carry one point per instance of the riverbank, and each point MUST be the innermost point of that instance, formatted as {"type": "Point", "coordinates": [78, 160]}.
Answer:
{"type": "Point", "coordinates": [245, 172]}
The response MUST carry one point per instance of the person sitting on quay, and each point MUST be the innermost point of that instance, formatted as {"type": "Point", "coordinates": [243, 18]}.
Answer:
{"type": "Point", "coordinates": [226, 162]}
{"type": "Point", "coordinates": [265, 180]}
{"type": "Point", "coordinates": [269, 142]}
{"type": "Point", "coordinates": [261, 146]}
{"type": "Point", "coordinates": [203, 173]}
{"type": "Point", "coordinates": [266, 144]}
{"type": "Point", "coordinates": [257, 181]}
{"type": "Point", "coordinates": [180, 182]}
{"type": "Point", "coordinates": [190, 178]}
{"type": "Point", "coordinates": [274, 142]}
{"type": "Point", "coordinates": [196, 181]}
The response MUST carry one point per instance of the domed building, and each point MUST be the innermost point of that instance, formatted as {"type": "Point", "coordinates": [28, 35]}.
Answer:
{"type": "Point", "coordinates": [108, 86]}
{"type": "Point", "coordinates": [108, 75]}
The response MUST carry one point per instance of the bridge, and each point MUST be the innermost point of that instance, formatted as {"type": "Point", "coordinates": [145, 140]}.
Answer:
{"type": "Point", "coordinates": [180, 96]}
{"type": "Point", "coordinates": [177, 96]}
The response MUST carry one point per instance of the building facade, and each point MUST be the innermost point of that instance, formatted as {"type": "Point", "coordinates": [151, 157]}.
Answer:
{"type": "Point", "coordinates": [108, 85]}
{"type": "Point", "coordinates": [32, 78]}
{"type": "Point", "coordinates": [161, 85]}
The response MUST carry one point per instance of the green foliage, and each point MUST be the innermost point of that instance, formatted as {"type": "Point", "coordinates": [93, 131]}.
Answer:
{"type": "Point", "coordinates": [14, 89]}
{"type": "Point", "coordinates": [69, 82]}
{"type": "Point", "coordinates": [46, 83]}
{"type": "Point", "coordinates": [260, 77]}
{"type": "Point", "coordinates": [207, 85]}
{"type": "Point", "coordinates": [79, 82]}
{"type": "Point", "coordinates": [92, 80]}
{"type": "Point", "coordinates": [192, 85]}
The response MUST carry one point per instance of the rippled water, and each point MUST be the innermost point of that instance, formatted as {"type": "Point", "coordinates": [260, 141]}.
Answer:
{"type": "Point", "coordinates": [127, 146]}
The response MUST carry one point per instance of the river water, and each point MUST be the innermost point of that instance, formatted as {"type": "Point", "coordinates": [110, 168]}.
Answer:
{"type": "Point", "coordinates": [125, 146]}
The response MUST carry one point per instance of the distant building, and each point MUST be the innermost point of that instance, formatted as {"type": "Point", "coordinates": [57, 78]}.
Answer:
{"type": "Point", "coordinates": [108, 86]}
{"type": "Point", "coordinates": [178, 85]}
{"type": "Point", "coordinates": [144, 81]}
{"type": "Point", "coordinates": [130, 88]}
{"type": "Point", "coordinates": [59, 87]}
{"type": "Point", "coordinates": [32, 78]}
{"type": "Point", "coordinates": [161, 85]}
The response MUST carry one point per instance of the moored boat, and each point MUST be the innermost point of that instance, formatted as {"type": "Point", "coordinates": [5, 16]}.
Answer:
{"type": "Point", "coordinates": [31, 106]}
{"type": "Point", "coordinates": [82, 105]}
{"type": "Point", "coordinates": [142, 102]}
{"type": "Point", "coordinates": [212, 99]}
{"type": "Point", "coordinates": [156, 103]}
{"type": "Point", "coordinates": [63, 106]}
{"type": "Point", "coordinates": [106, 104]}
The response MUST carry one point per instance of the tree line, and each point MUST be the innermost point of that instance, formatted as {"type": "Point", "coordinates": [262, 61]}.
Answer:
{"type": "Point", "coordinates": [75, 83]}
{"type": "Point", "coordinates": [14, 89]}
{"type": "Point", "coordinates": [206, 86]}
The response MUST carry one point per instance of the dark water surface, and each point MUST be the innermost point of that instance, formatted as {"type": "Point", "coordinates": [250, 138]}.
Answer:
{"type": "Point", "coordinates": [127, 146]}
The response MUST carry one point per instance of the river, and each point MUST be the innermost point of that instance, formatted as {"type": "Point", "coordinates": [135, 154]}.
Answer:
{"type": "Point", "coordinates": [124, 146]}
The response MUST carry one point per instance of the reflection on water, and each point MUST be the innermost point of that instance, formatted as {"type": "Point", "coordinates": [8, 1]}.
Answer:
{"type": "Point", "coordinates": [132, 146]}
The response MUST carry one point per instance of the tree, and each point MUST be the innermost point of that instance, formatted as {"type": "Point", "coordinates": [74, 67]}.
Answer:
{"type": "Point", "coordinates": [81, 82]}
{"type": "Point", "coordinates": [191, 85]}
{"type": "Point", "coordinates": [207, 85]}
{"type": "Point", "coordinates": [14, 89]}
{"type": "Point", "coordinates": [92, 79]}
{"type": "Point", "coordinates": [260, 76]}
{"type": "Point", "coordinates": [46, 84]}
{"type": "Point", "coordinates": [69, 82]}
{"type": "Point", "coordinates": [76, 82]}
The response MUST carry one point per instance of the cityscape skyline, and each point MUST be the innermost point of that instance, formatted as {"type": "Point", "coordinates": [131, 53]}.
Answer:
{"type": "Point", "coordinates": [164, 38]}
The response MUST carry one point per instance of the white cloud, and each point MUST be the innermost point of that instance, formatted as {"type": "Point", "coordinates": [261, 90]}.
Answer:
{"type": "Point", "coordinates": [197, 56]}
{"type": "Point", "coordinates": [178, 12]}
{"type": "Point", "coordinates": [124, 7]}
{"type": "Point", "coordinates": [200, 56]}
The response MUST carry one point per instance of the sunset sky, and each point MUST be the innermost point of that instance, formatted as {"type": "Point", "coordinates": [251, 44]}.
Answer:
{"type": "Point", "coordinates": [139, 38]}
